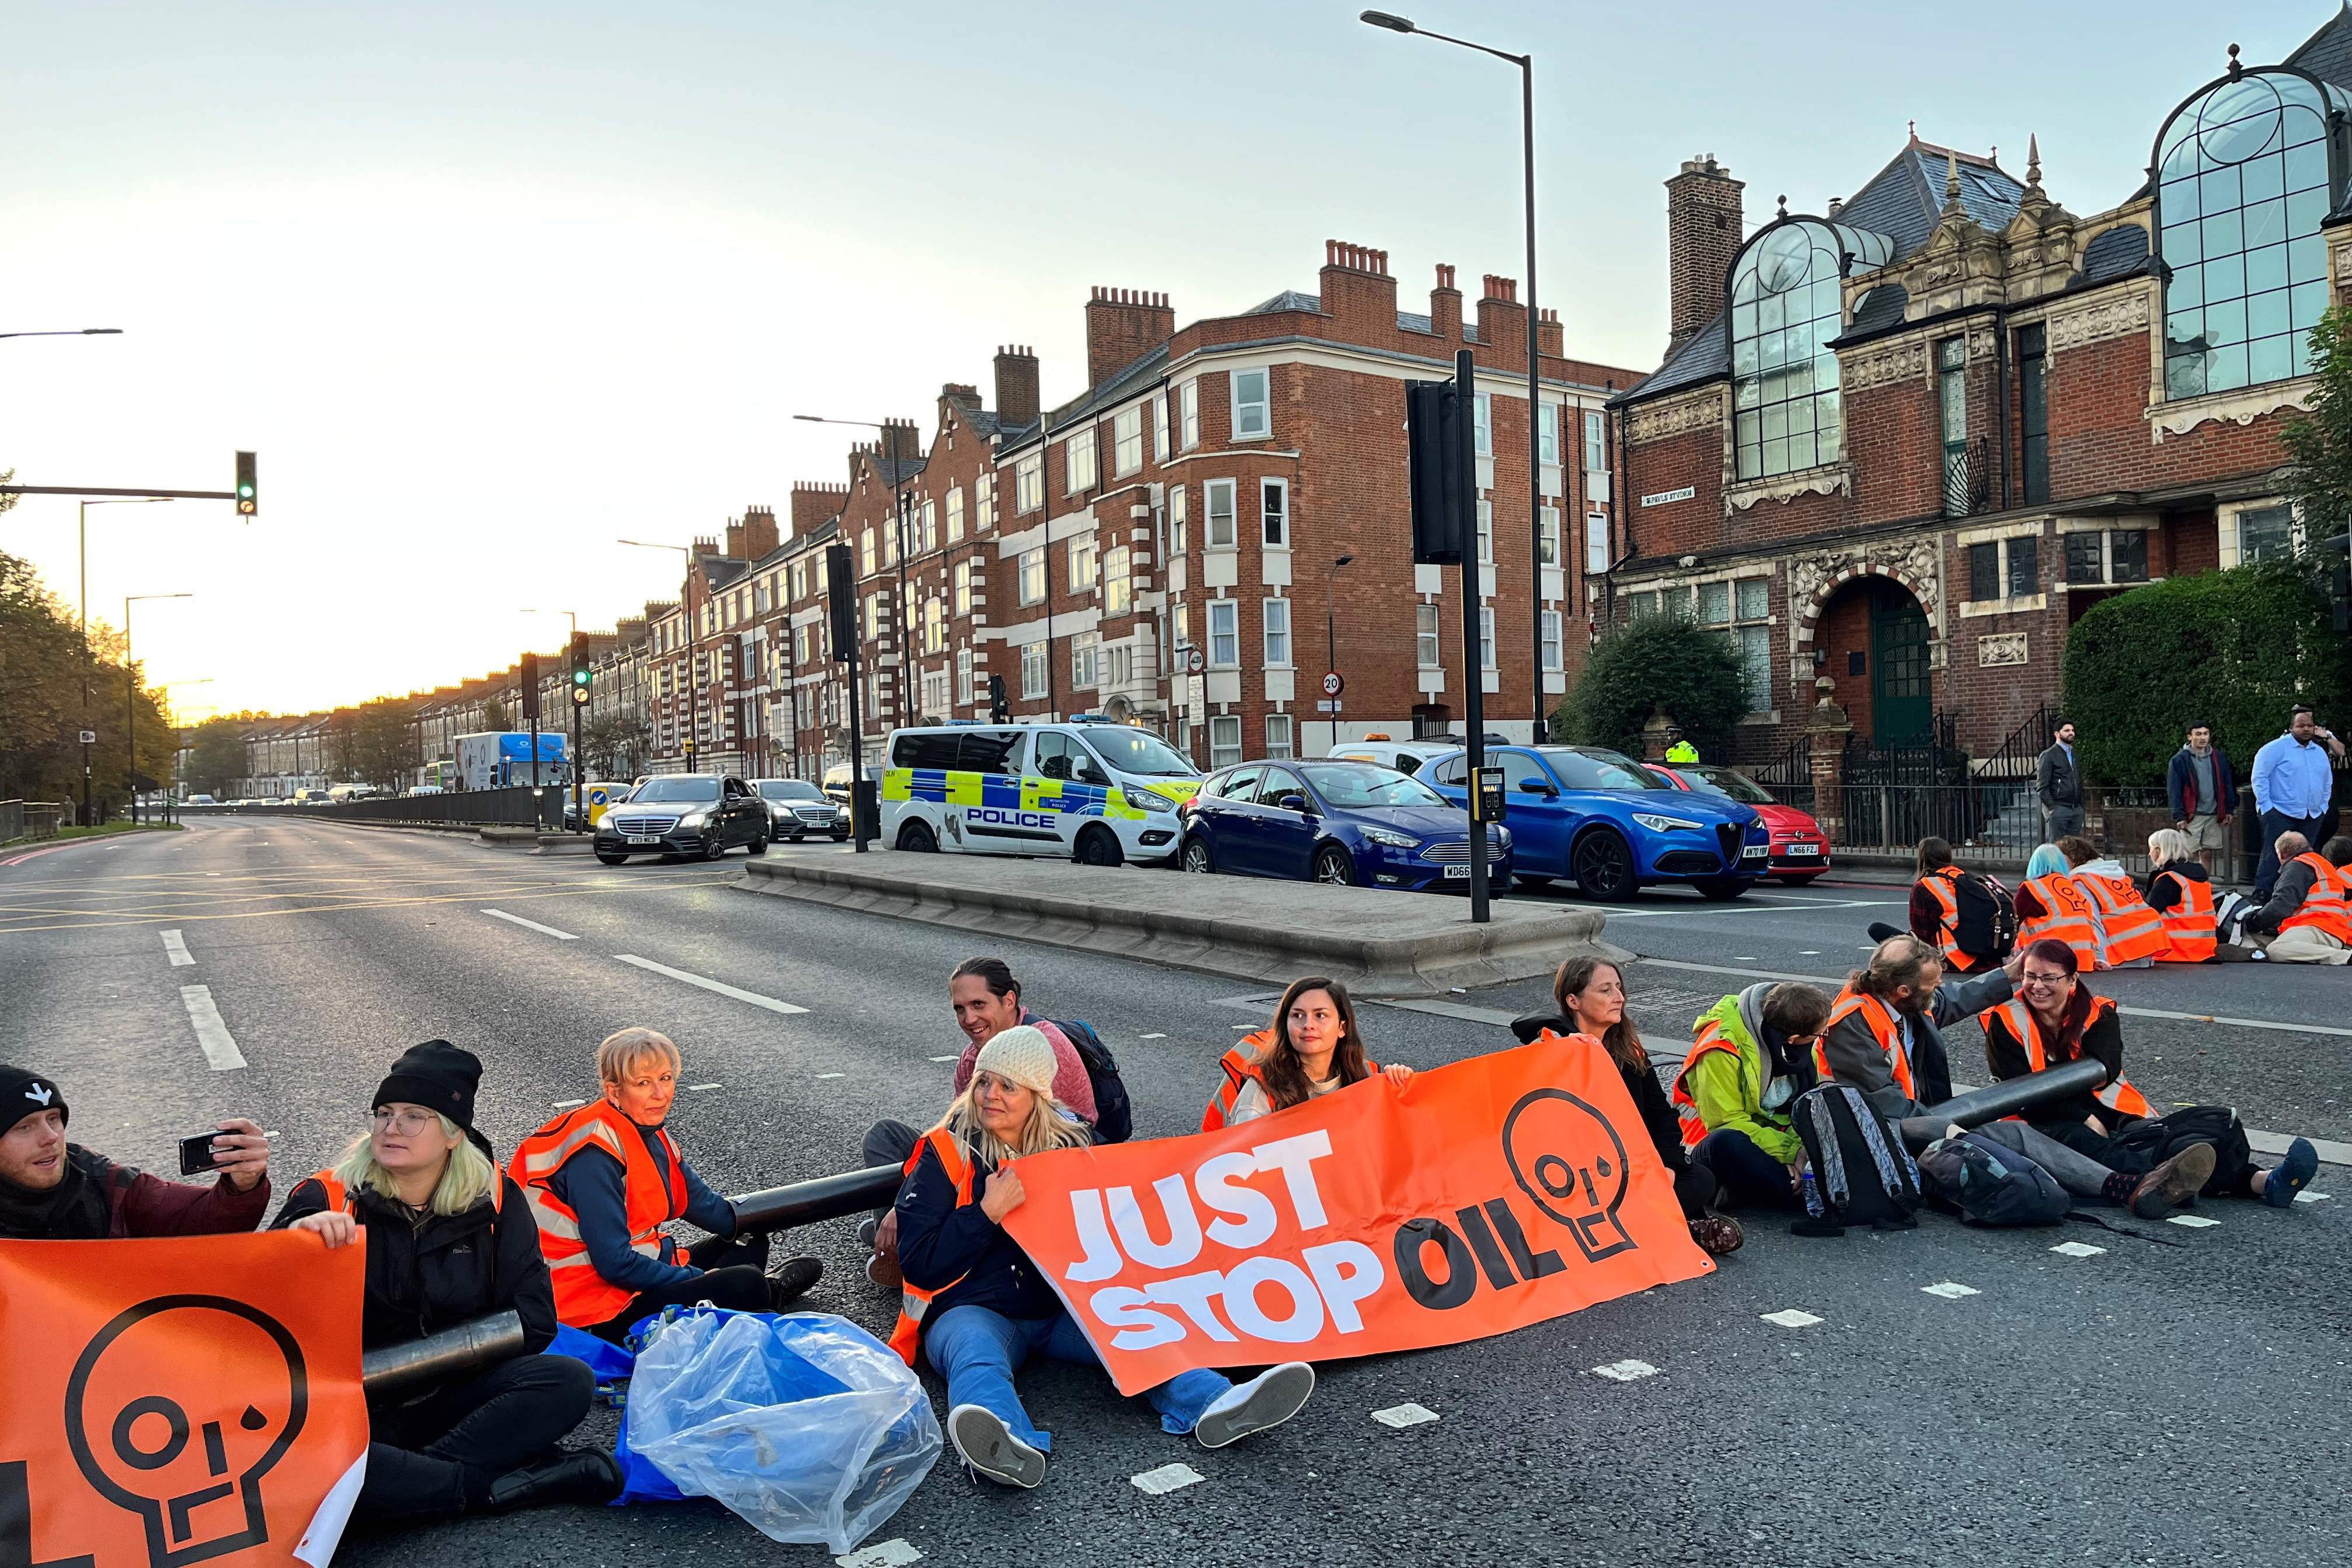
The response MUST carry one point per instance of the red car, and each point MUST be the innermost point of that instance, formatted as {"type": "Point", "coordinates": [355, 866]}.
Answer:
{"type": "Point", "coordinates": [1800, 851]}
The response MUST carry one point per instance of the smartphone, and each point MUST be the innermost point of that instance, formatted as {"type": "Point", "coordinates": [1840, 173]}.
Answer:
{"type": "Point", "coordinates": [196, 1154]}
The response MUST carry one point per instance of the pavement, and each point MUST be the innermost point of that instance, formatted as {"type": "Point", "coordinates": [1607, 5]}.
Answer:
{"type": "Point", "coordinates": [2175, 1396]}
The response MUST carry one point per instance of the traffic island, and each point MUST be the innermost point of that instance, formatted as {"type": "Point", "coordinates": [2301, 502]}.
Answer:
{"type": "Point", "coordinates": [1381, 943]}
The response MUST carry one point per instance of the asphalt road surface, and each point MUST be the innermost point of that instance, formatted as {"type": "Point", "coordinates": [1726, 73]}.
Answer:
{"type": "Point", "coordinates": [2176, 1397]}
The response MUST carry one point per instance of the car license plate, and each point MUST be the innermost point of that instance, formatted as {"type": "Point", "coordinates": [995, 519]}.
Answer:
{"type": "Point", "coordinates": [1755, 851]}
{"type": "Point", "coordinates": [1804, 849]}
{"type": "Point", "coordinates": [643, 838]}
{"type": "Point", "coordinates": [1457, 873]}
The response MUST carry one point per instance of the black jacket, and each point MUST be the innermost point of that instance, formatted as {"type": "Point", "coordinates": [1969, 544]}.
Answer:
{"type": "Point", "coordinates": [969, 1258]}
{"type": "Point", "coordinates": [2102, 1040]}
{"type": "Point", "coordinates": [2058, 778]}
{"type": "Point", "coordinates": [423, 1278]}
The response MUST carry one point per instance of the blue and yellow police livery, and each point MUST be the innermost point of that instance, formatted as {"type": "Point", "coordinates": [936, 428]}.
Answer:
{"type": "Point", "coordinates": [1023, 789]}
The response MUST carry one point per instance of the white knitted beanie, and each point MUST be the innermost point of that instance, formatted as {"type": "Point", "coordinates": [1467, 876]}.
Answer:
{"type": "Point", "coordinates": [1020, 1055]}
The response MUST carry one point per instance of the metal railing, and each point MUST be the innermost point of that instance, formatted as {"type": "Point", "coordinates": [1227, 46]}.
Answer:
{"type": "Point", "coordinates": [521, 806]}
{"type": "Point", "coordinates": [30, 821]}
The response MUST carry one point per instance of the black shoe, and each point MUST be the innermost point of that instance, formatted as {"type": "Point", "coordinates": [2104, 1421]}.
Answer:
{"type": "Point", "coordinates": [865, 1229]}
{"type": "Point", "coordinates": [792, 1279]}
{"type": "Point", "coordinates": [592, 1476]}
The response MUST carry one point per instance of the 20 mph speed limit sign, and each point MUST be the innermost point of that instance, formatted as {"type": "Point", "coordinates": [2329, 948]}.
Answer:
{"type": "Point", "coordinates": [1333, 685]}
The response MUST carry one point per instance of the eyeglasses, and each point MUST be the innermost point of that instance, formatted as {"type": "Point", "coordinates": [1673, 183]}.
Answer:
{"type": "Point", "coordinates": [404, 1121]}
{"type": "Point", "coordinates": [2047, 979]}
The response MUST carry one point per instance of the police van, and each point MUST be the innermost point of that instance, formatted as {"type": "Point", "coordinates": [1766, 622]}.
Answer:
{"type": "Point", "coordinates": [1096, 790]}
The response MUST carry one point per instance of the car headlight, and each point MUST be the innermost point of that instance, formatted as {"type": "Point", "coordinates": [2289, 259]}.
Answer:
{"type": "Point", "coordinates": [1657, 824]}
{"type": "Point", "coordinates": [1391, 838]}
{"type": "Point", "coordinates": [695, 819]}
{"type": "Point", "coordinates": [1149, 799]}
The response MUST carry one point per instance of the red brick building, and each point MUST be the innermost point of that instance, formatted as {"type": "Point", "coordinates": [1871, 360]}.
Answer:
{"type": "Point", "coordinates": [1897, 447]}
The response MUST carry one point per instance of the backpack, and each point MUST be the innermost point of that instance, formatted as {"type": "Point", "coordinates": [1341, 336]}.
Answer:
{"type": "Point", "coordinates": [2143, 1146]}
{"type": "Point", "coordinates": [2230, 918]}
{"type": "Point", "coordinates": [1987, 1184]}
{"type": "Point", "coordinates": [1984, 920]}
{"type": "Point", "coordinates": [1114, 1119]}
{"type": "Point", "coordinates": [1862, 1173]}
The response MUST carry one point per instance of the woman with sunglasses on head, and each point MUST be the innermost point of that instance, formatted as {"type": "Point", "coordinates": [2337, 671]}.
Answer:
{"type": "Point", "coordinates": [1589, 996]}
{"type": "Point", "coordinates": [1312, 1047]}
{"type": "Point", "coordinates": [1753, 1057]}
{"type": "Point", "coordinates": [2056, 1018]}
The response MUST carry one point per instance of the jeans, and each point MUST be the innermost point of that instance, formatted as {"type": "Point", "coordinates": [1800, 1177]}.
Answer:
{"type": "Point", "coordinates": [426, 1460]}
{"type": "Point", "coordinates": [734, 1275]}
{"type": "Point", "coordinates": [2273, 823]}
{"type": "Point", "coordinates": [1745, 1175]}
{"type": "Point", "coordinates": [978, 1350]}
{"type": "Point", "coordinates": [2058, 821]}
{"type": "Point", "coordinates": [2081, 1175]}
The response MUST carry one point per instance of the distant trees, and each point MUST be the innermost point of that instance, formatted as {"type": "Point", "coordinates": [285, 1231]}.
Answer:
{"type": "Point", "coordinates": [612, 745]}
{"type": "Point", "coordinates": [42, 708]}
{"type": "Point", "coordinates": [495, 715]}
{"type": "Point", "coordinates": [1657, 663]}
{"type": "Point", "coordinates": [375, 743]}
{"type": "Point", "coordinates": [216, 757]}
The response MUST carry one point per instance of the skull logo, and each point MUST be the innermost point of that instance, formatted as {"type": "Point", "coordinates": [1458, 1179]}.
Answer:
{"type": "Point", "coordinates": [1569, 1160]}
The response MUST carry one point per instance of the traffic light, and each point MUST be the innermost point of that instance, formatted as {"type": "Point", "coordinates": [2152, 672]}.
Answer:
{"type": "Point", "coordinates": [841, 599]}
{"type": "Point", "coordinates": [530, 687]}
{"type": "Point", "coordinates": [249, 498]}
{"type": "Point", "coordinates": [1435, 443]}
{"type": "Point", "coordinates": [999, 712]}
{"type": "Point", "coordinates": [582, 674]}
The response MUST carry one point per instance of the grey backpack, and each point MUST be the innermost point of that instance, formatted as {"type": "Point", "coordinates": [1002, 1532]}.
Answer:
{"type": "Point", "coordinates": [1988, 1184]}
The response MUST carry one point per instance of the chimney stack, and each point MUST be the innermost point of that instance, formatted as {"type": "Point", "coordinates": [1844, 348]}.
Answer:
{"type": "Point", "coordinates": [1354, 285]}
{"type": "Point", "coordinates": [815, 505]}
{"type": "Point", "coordinates": [760, 540]}
{"type": "Point", "coordinates": [1122, 326]}
{"type": "Point", "coordinates": [1705, 224]}
{"type": "Point", "coordinates": [735, 539]}
{"type": "Point", "coordinates": [1446, 306]}
{"type": "Point", "coordinates": [1016, 384]}
{"type": "Point", "coordinates": [899, 441]}
{"type": "Point", "coordinates": [1503, 321]}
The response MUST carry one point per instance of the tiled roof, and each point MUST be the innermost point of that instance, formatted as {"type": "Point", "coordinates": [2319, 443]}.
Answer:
{"type": "Point", "coordinates": [1408, 322]}
{"type": "Point", "coordinates": [896, 471]}
{"type": "Point", "coordinates": [2327, 53]}
{"type": "Point", "coordinates": [1882, 306]}
{"type": "Point", "coordinates": [2115, 254]}
{"type": "Point", "coordinates": [1704, 355]}
{"type": "Point", "coordinates": [1288, 299]}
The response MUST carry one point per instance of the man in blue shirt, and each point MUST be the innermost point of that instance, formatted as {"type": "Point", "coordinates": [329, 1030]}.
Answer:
{"type": "Point", "coordinates": [2294, 791]}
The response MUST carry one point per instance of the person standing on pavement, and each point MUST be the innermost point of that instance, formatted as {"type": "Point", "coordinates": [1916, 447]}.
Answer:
{"type": "Point", "coordinates": [450, 1239]}
{"type": "Point", "coordinates": [1311, 1049]}
{"type": "Point", "coordinates": [2294, 791]}
{"type": "Point", "coordinates": [604, 1178]}
{"type": "Point", "coordinates": [975, 1304]}
{"type": "Point", "coordinates": [2058, 779]}
{"type": "Point", "coordinates": [51, 1190]}
{"type": "Point", "coordinates": [1752, 1058]}
{"type": "Point", "coordinates": [2309, 918]}
{"type": "Point", "coordinates": [1677, 749]}
{"type": "Point", "coordinates": [2203, 790]}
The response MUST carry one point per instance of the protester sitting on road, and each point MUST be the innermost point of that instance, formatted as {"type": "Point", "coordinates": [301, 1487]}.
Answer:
{"type": "Point", "coordinates": [2055, 1018]}
{"type": "Point", "coordinates": [2180, 891]}
{"type": "Point", "coordinates": [2309, 917]}
{"type": "Point", "coordinates": [2130, 934]}
{"type": "Point", "coordinates": [51, 1190]}
{"type": "Point", "coordinates": [1934, 909]}
{"type": "Point", "coordinates": [449, 1239]}
{"type": "Point", "coordinates": [1885, 1039]}
{"type": "Point", "coordinates": [1312, 1047]}
{"type": "Point", "coordinates": [1588, 996]}
{"type": "Point", "coordinates": [977, 1307]}
{"type": "Point", "coordinates": [2049, 903]}
{"type": "Point", "coordinates": [1753, 1057]}
{"type": "Point", "coordinates": [986, 1000]}
{"type": "Point", "coordinates": [606, 1177]}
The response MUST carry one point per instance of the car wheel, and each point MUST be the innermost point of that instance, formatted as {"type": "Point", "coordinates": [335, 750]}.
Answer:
{"type": "Point", "coordinates": [1723, 889]}
{"type": "Point", "coordinates": [610, 859]}
{"type": "Point", "coordinates": [1604, 866]}
{"type": "Point", "coordinates": [1334, 864]}
{"type": "Point", "coordinates": [1197, 858]}
{"type": "Point", "coordinates": [759, 845]}
{"type": "Point", "coordinates": [712, 848]}
{"type": "Point", "coordinates": [1098, 847]}
{"type": "Point", "coordinates": [917, 839]}
{"type": "Point", "coordinates": [1535, 881]}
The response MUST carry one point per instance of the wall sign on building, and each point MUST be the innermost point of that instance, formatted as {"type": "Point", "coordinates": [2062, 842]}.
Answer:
{"type": "Point", "coordinates": [1664, 498]}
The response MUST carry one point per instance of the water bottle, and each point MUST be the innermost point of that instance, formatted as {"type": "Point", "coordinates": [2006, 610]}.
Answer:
{"type": "Point", "coordinates": [1811, 1195]}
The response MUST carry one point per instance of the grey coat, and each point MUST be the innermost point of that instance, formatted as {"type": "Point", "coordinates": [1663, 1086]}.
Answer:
{"type": "Point", "coordinates": [1856, 1058]}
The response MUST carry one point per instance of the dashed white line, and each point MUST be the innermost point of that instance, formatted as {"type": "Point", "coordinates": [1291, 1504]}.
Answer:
{"type": "Point", "coordinates": [1151, 1036]}
{"type": "Point", "coordinates": [698, 1087]}
{"type": "Point", "coordinates": [720, 986]}
{"type": "Point", "coordinates": [532, 925]}
{"type": "Point", "coordinates": [1625, 1371]}
{"type": "Point", "coordinates": [1791, 1318]}
{"type": "Point", "coordinates": [947, 1058]}
{"type": "Point", "coordinates": [1950, 1292]}
{"type": "Point", "coordinates": [219, 1045]}
{"type": "Point", "coordinates": [2077, 1249]}
{"type": "Point", "coordinates": [894, 1553]}
{"type": "Point", "coordinates": [1402, 1415]}
{"type": "Point", "coordinates": [2310, 1197]}
{"type": "Point", "coordinates": [569, 1104]}
{"type": "Point", "coordinates": [821, 1077]}
{"type": "Point", "coordinates": [2193, 1221]}
{"type": "Point", "coordinates": [1166, 1479]}
{"type": "Point", "coordinates": [176, 948]}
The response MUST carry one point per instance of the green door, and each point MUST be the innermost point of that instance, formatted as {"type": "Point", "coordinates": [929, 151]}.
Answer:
{"type": "Point", "coordinates": [1901, 703]}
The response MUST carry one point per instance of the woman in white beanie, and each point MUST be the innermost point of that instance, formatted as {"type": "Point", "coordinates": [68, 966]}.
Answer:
{"type": "Point", "coordinates": [976, 1305]}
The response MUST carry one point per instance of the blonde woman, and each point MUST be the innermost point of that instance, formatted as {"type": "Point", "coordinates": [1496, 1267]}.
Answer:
{"type": "Point", "coordinates": [2180, 890]}
{"type": "Point", "coordinates": [449, 1239]}
{"type": "Point", "coordinates": [976, 1305]}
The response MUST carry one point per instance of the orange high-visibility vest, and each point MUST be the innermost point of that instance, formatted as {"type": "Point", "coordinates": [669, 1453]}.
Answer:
{"type": "Point", "coordinates": [1245, 1064]}
{"type": "Point", "coordinates": [2016, 1021]}
{"type": "Point", "coordinates": [2068, 916]}
{"type": "Point", "coordinates": [1884, 1028]}
{"type": "Point", "coordinates": [2328, 905]}
{"type": "Point", "coordinates": [2128, 929]}
{"type": "Point", "coordinates": [1944, 883]}
{"type": "Point", "coordinates": [584, 1297]}
{"type": "Point", "coordinates": [913, 1301]}
{"type": "Point", "coordinates": [2189, 927]}
{"type": "Point", "coordinates": [1711, 1038]}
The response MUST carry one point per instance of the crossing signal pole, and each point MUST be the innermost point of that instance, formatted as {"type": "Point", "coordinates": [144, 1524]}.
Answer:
{"type": "Point", "coordinates": [584, 676]}
{"type": "Point", "coordinates": [1443, 477]}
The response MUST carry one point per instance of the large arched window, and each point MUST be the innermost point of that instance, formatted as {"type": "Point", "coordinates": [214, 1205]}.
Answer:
{"type": "Point", "coordinates": [2245, 173]}
{"type": "Point", "coordinates": [1785, 310]}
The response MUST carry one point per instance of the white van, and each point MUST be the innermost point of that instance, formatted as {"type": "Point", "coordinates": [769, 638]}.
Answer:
{"type": "Point", "coordinates": [1097, 790]}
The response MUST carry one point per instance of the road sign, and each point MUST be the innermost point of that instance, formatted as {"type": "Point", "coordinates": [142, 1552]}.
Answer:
{"type": "Point", "coordinates": [1333, 684]}
{"type": "Point", "coordinates": [1195, 661]}
{"type": "Point", "coordinates": [1329, 705]}
{"type": "Point", "coordinates": [90, 737]}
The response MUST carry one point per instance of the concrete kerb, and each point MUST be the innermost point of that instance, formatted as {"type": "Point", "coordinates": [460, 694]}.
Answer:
{"type": "Point", "coordinates": [1142, 915]}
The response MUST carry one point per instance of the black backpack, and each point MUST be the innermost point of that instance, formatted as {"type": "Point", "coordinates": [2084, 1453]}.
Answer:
{"type": "Point", "coordinates": [1862, 1173]}
{"type": "Point", "coordinates": [1114, 1121]}
{"type": "Point", "coordinates": [2143, 1146]}
{"type": "Point", "coordinates": [1985, 1183]}
{"type": "Point", "coordinates": [1984, 916]}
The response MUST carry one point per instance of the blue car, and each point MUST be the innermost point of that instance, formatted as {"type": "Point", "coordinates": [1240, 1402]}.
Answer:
{"type": "Point", "coordinates": [1606, 823]}
{"type": "Point", "coordinates": [1356, 822]}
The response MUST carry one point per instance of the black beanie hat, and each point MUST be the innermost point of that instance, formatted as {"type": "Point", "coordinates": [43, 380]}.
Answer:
{"type": "Point", "coordinates": [438, 1076]}
{"type": "Point", "coordinates": [24, 1092]}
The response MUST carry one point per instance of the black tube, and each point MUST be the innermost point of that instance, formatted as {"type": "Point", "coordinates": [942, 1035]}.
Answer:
{"type": "Point", "coordinates": [468, 1345]}
{"type": "Point", "coordinates": [2009, 1096]}
{"type": "Point", "coordinates": [805, 1203]}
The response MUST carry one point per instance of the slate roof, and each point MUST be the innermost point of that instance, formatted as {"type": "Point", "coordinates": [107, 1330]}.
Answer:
{"type": "Point", "coordinates": [2117, 252]}
{"type": "Point", "coordinates": [1407, 320]}
{"type": "Point", "coordinates": [1882, 306]}
{"type": "Point", "coordinates": [896, 471]}
{"type": "Point", "coordinates": [719, 571]}
{"type": "Point", "coordinates": [2327, 53]}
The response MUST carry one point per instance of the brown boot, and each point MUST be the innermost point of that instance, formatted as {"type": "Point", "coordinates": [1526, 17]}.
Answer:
{"type": "Point", "coordinates": [2174, 1183]}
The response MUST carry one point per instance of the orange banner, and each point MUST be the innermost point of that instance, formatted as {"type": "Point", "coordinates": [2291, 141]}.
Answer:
{"type": "Point", "coordinates": [175, 1401]}
{"type": "Point", "coordinates": [1492, 1194]}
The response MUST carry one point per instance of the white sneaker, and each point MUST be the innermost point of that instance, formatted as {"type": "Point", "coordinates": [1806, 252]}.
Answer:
{"type": "Point", "coordinates": [1269, 1399]}
{"type": "Point", "coordinates": [988, 1445]}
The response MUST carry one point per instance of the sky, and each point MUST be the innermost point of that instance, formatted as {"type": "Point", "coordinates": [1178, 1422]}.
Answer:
{"type": "Point", "coordinates": [490, 286]}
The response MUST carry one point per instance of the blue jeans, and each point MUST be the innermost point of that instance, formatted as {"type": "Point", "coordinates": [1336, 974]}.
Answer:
{"type": "Point", "coordinates": [977, 1350]}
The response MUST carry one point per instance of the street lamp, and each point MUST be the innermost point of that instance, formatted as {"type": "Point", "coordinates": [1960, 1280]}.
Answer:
{"type": "Point", "coordinates": [901, 614]}
{"type": "Point", "coordinates": [693, 650]}
{"type": "Point", "coordinates": [130, 701]}
{"type": "Point", "coordinates": [1527, 64]}
{"type": "Point", "coordinates": [1332, 637]}
{"type": "Point", "coordinates": [82, 588]}
{"type": "Point", "coordinates": [70, 333]}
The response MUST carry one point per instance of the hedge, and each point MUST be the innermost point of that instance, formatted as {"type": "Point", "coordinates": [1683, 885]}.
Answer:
{"type": "Point", "coordinates": [1656, 663]}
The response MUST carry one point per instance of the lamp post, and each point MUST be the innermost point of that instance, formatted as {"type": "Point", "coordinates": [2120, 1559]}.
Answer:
{"type": "Point", "coordinates": [130, 701]}
{"type": "Point", "coordinates": [1527, 64]}
{"type": "Point", "coordinates": [693, 646]}
{"type": "Point", "coordinates": [82, 576]}
{"type": "Point", "coordinates": [1331, 636]}
{"type": "Point", "coordinates": [901, 614]}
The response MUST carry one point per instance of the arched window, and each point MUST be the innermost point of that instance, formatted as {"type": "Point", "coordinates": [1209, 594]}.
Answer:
{"type": "Point", "coordinates": [2246, 172]}
{"type": "Point", "coordinates": [1785, 310]}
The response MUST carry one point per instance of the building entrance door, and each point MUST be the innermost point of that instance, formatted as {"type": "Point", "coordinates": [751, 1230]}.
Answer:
{"type": "Point", "coordinates": [1901, 703]}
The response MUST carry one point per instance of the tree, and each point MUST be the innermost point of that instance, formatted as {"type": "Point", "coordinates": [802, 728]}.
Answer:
{"type": "Point", "coordinates": [2319, 441]}
{"type": "Point", "coordinates": [611, 744]}
{"type": "Point", "coordinates": [216, 757]}
{"type": "Point", "coordinates": [495, 715]}
{"type": "Point", "coordinates": [1658, 663]}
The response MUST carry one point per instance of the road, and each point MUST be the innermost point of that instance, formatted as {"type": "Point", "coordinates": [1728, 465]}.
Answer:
{"type": "Point", "coordinates": [2177, 1396]}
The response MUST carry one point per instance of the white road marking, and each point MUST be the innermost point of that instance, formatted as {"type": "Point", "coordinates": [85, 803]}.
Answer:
{"type": "Point", "coordinates": [1244, 1026]}
{"type": "Point", "coordinates": [175, 948]}
{"type": "Point", "coordinates": [1625, 1371]}
{"type": "Point", "coordinates": [888, 1554]}
{"type": "Point", "coordinates": [698, 1087]}
{"type": "Point", "coordinates": [2077, 1249]}
{"type": "Point", "coordinates": [952, 1058]}
{"type": "Point", "coordinates": [1950, 1292]}
{"type": "Point", "coordinates": [753, 997]}
{"type": "Point", "coordinates": [1402, 1415]}
{"type": "Point", "coordinates": [219, 1044]}
{"type": "Point", "coordinates": [2330, 1151]}
{"type": "Point", "coordinates": [2308, 1197]}
{"type": "Point", "coordinates": [1707, 913]}
{"type": "Point", "coordinates": [826, 1075]}
{"type": "Point", "coordinates": [569, 1104]}
{"type": "Point", "coordinates": [1166, 1479]}
{"type": "Point", "coordinates": [1743, 958]}
{"type": "Point", "coordinates": [2193, 1221]}
{"type": "Point", "coordinates": [1809, 952]}
{"type": "Point", "coordinates": [1790, 1319]}
{"type": "Point", "coordinates": [1151, 1036]}
{"type": "Point", "coordinates": [532, 925]}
